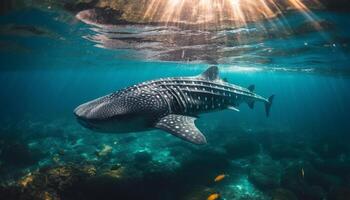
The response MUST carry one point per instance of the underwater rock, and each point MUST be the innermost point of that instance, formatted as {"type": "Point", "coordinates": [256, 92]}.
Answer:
{"type": "Point", "coordinates": [281, 151]}
{"type": "Point", "coordinates": [10, 192]}
{"type": "Point", "coordinates": [179, 152]}
{"type": "Point", "coordinates": [243, 147]}
{"type": "Point", "coordinates": [199, 193]}
{"type": "Point", "coordinates": [292, 179]}
{"type": "Point", "coordinates": [63, 177]}
{"type": "Point", "coordinates": [17, 153]}
{"type": "Point", "coordinates": [283, 194]}
{"type": "Point", "coordinates": [240, 188]}
{"type": "Point", "coordinates": [281, 145]}
{"type": "Point", "coordinates": [90, 170]}
{"type": "Point", "coordinates": [27, 179]}
{"type": "Point", "coordinates": [51, 183]}
{"type": "Point", "coordinates": [106, 149]}
{"type": "Point", "coordinates": [116, 166]}
{"type": "Point", "coordinates": [265, 176]}
{"type": "Point", "coordinates": [129, 183]}
{"type": "Point", "coordinates": [316, 193]}
{"type": "Point", "coordinates": [61, 152]}
{"type": "Point", "coordinates": [115, 172]}
{"type": "Point", "coordinates": [42, 133]}
{"type": "Point", "coordinates": [336, 167]}
{"type": "Point", "coordinates": [142, 157]}
{"type": "Point", "coordinates": [203, 165]}
{"type": "Point", "coordinates": [56, 159]}
{"type": "Point", "coordinates": [123, 155]}
{"type": "Point", "coordinates": [306, 182]}
{"type": "Point", "coordinates": [340, 193]}
{"type": "Point", "coordinates": [126, 140]}
{"type": "Point", "coordinates": [329, 147]}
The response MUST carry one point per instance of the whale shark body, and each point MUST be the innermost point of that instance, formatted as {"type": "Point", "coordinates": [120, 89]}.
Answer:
{"type": "Point", "coordinates": [170, 104]}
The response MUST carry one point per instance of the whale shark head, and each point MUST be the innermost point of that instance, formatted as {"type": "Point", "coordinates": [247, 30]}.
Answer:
{"type": "Point", "coordinates": [112, 113]}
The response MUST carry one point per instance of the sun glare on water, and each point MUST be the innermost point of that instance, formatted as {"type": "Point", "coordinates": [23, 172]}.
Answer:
{"type": "Point", "coordinates": [215, 31]}
{"type": "Point", "coordinates": [219, 12]}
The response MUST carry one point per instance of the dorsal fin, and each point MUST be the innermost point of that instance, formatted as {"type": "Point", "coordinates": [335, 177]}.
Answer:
{"type": "Point", "coordinates": [251, 104]}
{"type": "Point", "coordinates": [251, 88]}
{"type": "Point", "coordinates": [212, 73]}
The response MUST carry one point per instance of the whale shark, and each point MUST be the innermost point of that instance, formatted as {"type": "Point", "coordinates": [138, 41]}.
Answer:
{"type": "Point", "coordinates": [168, 104]}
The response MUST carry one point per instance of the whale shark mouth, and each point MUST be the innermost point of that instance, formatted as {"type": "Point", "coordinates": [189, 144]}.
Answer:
{"type": "Point", "coordinates": [86, 124]}
{"type": "Point", "coordinates": [94, 125]}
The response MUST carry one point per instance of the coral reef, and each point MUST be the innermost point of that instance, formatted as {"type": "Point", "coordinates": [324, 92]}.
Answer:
{"type": "Point", "coordinates": [77, 165]}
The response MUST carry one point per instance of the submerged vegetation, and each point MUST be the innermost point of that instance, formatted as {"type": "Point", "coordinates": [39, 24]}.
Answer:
{"type": "Point", "coordinates": [262, 164]}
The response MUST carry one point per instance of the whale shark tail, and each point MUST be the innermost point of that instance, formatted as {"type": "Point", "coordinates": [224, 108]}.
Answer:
{"type": "Point", "coordinates": [268, 105]}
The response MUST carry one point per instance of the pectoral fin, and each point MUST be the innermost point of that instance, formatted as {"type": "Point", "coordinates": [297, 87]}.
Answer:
{"type": "Point", "coordinates": [182, 127]}
{"type": "Point", "coordinates": [233, 108]}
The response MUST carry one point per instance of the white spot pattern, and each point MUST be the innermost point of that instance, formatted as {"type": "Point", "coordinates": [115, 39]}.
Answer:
{"type": "Point", "coordinates": [183, 128]}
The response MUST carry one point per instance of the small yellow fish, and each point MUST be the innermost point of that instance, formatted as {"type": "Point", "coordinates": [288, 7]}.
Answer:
{"type": "Point", "coordinates": [213, 196]}
{"type": "Point", "coordinates": [219, 177]}
{"type": "Point", "coordinates": [302, 172]}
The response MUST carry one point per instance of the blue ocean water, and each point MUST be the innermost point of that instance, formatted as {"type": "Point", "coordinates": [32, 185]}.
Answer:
{"type": "Point", "coordinates": [50, 69]}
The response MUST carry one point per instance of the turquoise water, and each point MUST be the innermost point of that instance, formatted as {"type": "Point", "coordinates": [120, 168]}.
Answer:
{"type": "Point", "coordinates": [47, 71]}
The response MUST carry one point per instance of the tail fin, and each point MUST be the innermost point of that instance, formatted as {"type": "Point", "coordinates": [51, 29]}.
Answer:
{"type": "Point", "coordinates": [268, 105]}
